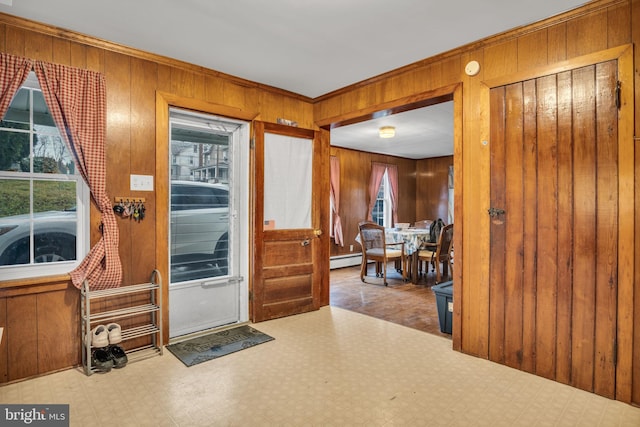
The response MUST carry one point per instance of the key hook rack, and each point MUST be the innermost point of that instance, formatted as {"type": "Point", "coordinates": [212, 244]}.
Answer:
{"type": "Point", "coordinates": [130, 207]}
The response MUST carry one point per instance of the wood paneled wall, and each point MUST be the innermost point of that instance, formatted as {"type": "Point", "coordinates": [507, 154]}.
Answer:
{"type": "Point", "coordinates": [432, 188]}
{"type": "Point", "coordinates": [42, 331]}
{"type": "Point", "coordinates": [423, 187]}
{"type": "Point", "coordinates": [597, 26]}
{"type": "Point", "coordinates": [355, 171]}
{"type": "Point", "coordinates": [133, 77]}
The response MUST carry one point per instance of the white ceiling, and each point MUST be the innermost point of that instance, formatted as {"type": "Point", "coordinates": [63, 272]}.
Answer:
{"type": "Point", "coordinates": [420, 133]}
{"type": "Point", "coordinates": [310, 47]}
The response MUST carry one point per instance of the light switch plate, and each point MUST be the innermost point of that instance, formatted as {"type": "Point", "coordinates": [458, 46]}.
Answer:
{"type": "Point", "coordinates": [141, 182]}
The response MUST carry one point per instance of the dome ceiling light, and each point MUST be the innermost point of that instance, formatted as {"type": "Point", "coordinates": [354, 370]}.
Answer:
{"type": "Point", "coordinates": [387, 132]}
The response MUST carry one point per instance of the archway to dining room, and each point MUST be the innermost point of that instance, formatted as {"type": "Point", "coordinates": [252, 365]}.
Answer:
{"type": "Point", "coordinates": [411, 303]}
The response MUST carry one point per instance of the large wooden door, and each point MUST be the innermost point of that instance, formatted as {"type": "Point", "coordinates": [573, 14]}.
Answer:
{"type": "Point", "coordinates": [290, 257]}
{"type": "Point", "coordinates": [554, 249]}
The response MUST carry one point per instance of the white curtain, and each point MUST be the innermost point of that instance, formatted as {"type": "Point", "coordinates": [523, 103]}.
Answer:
{"type": "Point", "coordinates": [287, 181]}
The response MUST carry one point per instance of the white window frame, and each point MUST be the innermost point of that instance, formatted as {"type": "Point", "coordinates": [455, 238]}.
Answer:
{"type": "Point", "coordinates": [23, 271]}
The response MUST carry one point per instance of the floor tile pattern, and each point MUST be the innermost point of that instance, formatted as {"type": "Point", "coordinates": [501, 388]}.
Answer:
{"type": "Point", "coordinates": [331, 367]}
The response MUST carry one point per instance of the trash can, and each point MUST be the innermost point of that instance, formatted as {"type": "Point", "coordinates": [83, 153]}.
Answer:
{"type": "Point", "coordinates": [444, 300]}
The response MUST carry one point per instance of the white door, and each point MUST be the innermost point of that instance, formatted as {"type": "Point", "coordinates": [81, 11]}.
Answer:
{"type": "Point", "coordinates": [208, 250]}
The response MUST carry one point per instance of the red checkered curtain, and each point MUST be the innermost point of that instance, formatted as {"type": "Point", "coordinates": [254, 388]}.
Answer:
{"type": "Point", "coordinates": [77, 101]}
{"type": "Point", "coordinates": [13, 72]}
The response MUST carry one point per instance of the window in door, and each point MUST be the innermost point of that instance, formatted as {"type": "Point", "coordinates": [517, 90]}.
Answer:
{"type": "Point", "coordinates": [202, 197]}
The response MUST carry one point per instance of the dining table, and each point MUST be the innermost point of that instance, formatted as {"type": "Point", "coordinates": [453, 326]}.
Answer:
{"type": "Point", "coordinates": [414, 239]}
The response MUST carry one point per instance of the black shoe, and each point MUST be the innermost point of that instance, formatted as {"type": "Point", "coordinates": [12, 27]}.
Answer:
{"type": "Point", "coordinates": [101, 360]}
{"type": "Point", "coordinates": [118, 356]}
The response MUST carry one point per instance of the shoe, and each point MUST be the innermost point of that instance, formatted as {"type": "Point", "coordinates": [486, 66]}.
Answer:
{"type": "Point", "coordinates": [99, 336]}
{"type": "Point", "coordinates": [101, 360]}
{"type": "Point", "coordinates": [118, 356]}
{"type": "Point", "coordinates": [115, 333]}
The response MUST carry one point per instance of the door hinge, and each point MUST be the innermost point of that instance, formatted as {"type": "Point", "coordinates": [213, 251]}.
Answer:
{"type": "Point", "coordinates": [250, 295]}
{"type": "Point", "coordinates": [252, 143]}
{"type": "Point", "coordinates": [615, 353]}
{"type": "Point", "coordinates": [617, 97]}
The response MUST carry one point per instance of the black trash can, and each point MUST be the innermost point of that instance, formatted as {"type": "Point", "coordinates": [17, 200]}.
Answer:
{"type": "Point", "coordinates": [444, 300]}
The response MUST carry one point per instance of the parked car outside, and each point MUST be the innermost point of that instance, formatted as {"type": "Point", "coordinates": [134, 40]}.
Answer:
{"type": "Point", "coordinates": [54, 237]}
{"type": "Point", "coordinates": [199, 233]}
{"type": "Point", "coordinates": [199, 230]}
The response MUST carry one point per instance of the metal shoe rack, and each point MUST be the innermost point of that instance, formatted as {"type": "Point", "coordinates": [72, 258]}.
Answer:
{"type": "Point", "coordinates": [153, 307]}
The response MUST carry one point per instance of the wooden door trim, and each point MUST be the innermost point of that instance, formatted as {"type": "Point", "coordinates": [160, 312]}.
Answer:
{"type": "Point", "coordinates": [626, 168]}
{"type": "Point", "coordinates": [411, 102]}
{"type": "Point", "coordinates": [164, 101]}
{"type": "Point", "coordinates": [558, 67]}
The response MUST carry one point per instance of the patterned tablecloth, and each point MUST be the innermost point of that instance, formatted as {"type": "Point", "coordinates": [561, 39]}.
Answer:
{"type": "Point", "coordinates": [413, 238]}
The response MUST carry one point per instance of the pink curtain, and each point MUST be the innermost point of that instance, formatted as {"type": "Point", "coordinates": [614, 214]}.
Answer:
{"type": "Point", "coordinates": [392, 174]}
{"type": "Point", "coordinates": [377, 172]}
{"type": "Point", "coordinates": [13, 72]}
{"type": "Point", "coordinates": [336, 228]}
{"type": "Point", "coordinates": [77, 101]}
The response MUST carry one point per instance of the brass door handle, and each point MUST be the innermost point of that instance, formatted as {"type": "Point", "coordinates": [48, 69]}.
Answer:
{"type": "Point", "coordinates": [317, 232]}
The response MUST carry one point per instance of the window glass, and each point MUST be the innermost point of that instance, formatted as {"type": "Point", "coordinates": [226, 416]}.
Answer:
{"type": "Point", "coordinates": [200, 222]}
{"type": "Point", "coordinates": [44, 208]}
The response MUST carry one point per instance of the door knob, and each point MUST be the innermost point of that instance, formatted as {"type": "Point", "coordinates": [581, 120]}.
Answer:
{"type": "Point", "coordinates": [317, 232]}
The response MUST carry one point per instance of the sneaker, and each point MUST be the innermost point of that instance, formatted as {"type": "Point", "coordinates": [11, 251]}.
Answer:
{"type": "Point", "coordinates": [101, 360]}
{"type": "Point", "coordinates": [115, 333]}
{"type": "Point", "coordinates": [118, 356]}
{"type": "Point", "coordinates": [99, 336]}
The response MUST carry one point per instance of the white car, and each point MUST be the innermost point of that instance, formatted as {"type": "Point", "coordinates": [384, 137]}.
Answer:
{"type": "Point", "coordinates": [54, 237]}
{"type": "Point", "coordinates": [199, 233]}
{"type": "Point", "coordinates": [199, 230]}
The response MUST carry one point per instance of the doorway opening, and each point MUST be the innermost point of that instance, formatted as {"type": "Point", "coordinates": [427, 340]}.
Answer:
{"type": "Point", "coordinates": [345, 259]}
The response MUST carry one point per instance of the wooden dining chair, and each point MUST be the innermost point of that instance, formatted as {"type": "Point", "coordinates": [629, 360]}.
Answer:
{"type": "Point", "coordinates": [375, 248]}
{"type": "Point", "coordinates": [440, 254]}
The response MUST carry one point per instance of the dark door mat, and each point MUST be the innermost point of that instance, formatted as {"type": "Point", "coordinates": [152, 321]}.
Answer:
{"type": "Point", "coordinates": [212, 346]}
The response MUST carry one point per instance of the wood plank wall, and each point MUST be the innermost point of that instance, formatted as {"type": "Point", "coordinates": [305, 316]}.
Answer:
{"type": "Point", "coordinates": [355, 170]}
{"type": "Point", "coordinates": [432, 188]}
{"type": "Point", "coordinates": [32, 311]}
{"type": "Point", "coordinates": [597, 26]}
{"type": "Point", "coordinates": [422, 185]}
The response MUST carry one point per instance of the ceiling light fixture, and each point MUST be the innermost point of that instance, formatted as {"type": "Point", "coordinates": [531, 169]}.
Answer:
{"type": "Point", "coordinates": [387, 132]}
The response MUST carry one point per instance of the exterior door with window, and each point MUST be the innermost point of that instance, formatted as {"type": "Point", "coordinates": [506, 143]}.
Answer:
{"type": "Point", "coordinates": [208, 155]}
{"type": "Point", "coordinates": [291, 246]}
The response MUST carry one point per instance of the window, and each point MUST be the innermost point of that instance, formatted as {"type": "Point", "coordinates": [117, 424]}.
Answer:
{"type": "Point", "coordinates": [44, 209]}
{"type": "Point", "coordinates": [382, 209]}
{"type": "Point", "coordinates": [201, 227]}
